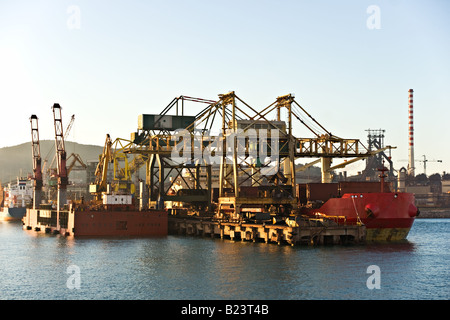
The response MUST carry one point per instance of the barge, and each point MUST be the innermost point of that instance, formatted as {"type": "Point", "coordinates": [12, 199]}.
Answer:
{"type": "Point", "coordinates": [106, 219]}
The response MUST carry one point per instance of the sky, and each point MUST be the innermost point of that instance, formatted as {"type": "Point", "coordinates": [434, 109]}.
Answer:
{"type": "Point", "coordinates": [350, 64]}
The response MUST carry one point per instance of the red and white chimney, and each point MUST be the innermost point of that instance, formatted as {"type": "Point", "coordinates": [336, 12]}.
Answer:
{"type": "Point", "coordinates": [411, 166]}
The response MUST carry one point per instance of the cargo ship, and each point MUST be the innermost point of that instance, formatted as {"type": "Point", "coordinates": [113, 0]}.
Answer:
{"type": "Point", "coordinates": [387, 216]}
{"type": "Point", "coordinates": [16, 198]}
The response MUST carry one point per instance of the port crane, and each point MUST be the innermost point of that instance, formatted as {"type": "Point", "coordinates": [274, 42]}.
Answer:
{"type": "Point", "coordinates": [62, 175]}
{"type": "Point", "coordinates": [66, 133]}
{"type": "Point", "coordinates": [36, 155]}
{"type": "Point", "coordinates": [123, 169]}
{"type": "Point", "coordinates": [76, 158]}
{"type": "Point", "coordinates": [425, 160]}
{"type": "Point", "coordinates": [101, 172]}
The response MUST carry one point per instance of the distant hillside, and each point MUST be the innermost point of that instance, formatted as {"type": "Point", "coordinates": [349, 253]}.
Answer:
{"type": "Point", "coordinates": [16, 160]}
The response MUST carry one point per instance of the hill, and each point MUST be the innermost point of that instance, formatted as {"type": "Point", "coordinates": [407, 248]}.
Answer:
{"type": "Point", "coordinates": [16, 160]}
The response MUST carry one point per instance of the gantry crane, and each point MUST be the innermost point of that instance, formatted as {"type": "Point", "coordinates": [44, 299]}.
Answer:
{"type": "Point", "coordinates": [153, 144]}
{"type": "Point", "coordinates": [256, 170]}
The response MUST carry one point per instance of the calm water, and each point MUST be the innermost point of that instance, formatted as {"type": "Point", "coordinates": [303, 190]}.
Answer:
{"type": "Point", "coordinates": [180, 268]}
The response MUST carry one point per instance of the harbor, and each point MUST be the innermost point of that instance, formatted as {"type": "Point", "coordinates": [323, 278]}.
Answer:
{"type": "Point", "coordinates": [239, 184]}
{"type": "Point", "coordinates": [220, 159]}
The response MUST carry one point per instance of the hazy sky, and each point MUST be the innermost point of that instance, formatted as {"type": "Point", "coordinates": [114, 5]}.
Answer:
{"type": "Point", "coordinates": [349, 63]}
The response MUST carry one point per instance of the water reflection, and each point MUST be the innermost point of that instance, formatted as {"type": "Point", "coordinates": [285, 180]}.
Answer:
{"type": "Point", "coordinates": [400, 246]}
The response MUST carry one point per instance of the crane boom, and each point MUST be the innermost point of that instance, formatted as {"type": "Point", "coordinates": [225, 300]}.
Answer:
{"type": "Point", "coordinates": [36, 155]}
{"type": "Point", "coordinates": [63, 179]}
{"type": "Point", "coordinates": [66, 133]}
{"type": "Point", "coordinates": [69, 126]}
{"type": "Point", "coordinates": [76, 158]}
{"type": "Point", "coordinates": [306, 166]}
{"type": "Point", "coordinates": [101, 172]}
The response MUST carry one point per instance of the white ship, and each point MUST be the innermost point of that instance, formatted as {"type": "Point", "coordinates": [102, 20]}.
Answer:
{"type": "Point", "coordinates": [16, 198]}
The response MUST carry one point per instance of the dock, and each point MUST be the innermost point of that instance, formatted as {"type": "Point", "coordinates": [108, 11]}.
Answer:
{"type": "Point", "coordinates": [308, 232]}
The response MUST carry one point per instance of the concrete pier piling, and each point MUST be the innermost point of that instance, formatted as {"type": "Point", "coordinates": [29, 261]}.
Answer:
{"type": "Point", "coordinates": [306, 234]}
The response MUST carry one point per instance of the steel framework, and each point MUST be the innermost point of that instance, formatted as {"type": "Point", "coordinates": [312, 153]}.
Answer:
{"type": "Point", "coordinates": [254, 150]}
{"type": "Point", "coordinates": [63, 178]}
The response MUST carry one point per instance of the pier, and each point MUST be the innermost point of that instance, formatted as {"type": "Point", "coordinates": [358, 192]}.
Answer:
{"type": "Point", "coordinates": [307, 232]}
{"type": "Point", "coordinates": [239, 184]}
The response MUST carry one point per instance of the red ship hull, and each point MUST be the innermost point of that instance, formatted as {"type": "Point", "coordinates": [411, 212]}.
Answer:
{"type": "Point", "coordinates": [386, 216]}
{"type": "Point", "coordinates": [117, 223]}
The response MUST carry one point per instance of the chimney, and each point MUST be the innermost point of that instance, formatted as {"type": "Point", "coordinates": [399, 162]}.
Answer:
{"type": "Point", "coordinates": [411, 166]}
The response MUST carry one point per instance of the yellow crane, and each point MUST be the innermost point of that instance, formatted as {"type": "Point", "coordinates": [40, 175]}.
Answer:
{"type": "Point", "coordinates": [76, 158]}
{"type": "Point", "coordinates": [113, 153]}
{"type": "Point", "coordinates": [101, 172]}
{"type": "Point", "coordinates": [122, 182]}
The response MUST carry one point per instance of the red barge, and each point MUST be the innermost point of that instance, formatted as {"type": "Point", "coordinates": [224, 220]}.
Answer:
{"type": "Point", "coordinates": [100, 220]}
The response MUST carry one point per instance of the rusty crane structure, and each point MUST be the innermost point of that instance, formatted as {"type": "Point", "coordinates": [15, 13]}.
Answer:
{"type": "Point", "coordinates": [61, 157]}
{"type": "Point", "coordinates": [37, 169]}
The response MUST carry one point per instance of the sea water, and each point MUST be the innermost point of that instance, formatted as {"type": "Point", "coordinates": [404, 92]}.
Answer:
{"type": "Point", "coordinates": [43, 267]}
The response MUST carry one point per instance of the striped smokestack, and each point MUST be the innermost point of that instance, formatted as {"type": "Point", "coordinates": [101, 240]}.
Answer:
{"type": "Point", "coordinates": [411, 134]}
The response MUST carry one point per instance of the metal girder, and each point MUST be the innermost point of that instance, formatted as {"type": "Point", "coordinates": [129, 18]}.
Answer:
{"type": "Point", "coordinates": [36, 153]}
{"type": "Point", "coordinates": [308, 165]}
{"type": "Point", "coordinates": [37, 169]}
{"type": "Point", "coordinates": [329, 147]}
{"type": "Point", "coordinates": [63, 177]}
